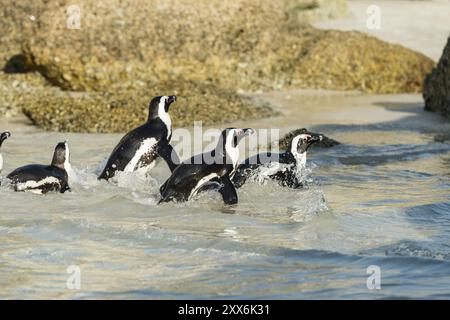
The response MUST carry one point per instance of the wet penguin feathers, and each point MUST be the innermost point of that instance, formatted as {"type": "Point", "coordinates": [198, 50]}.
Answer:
{"type": "Point", "coordinates": [3, 136]}
{"type": "Point", "coordinates": [60, 155]}
{"type": "Point", "coordinates": [41, 179]}
{"type": "Point", "coordinates": [140, 147]}
{"type": "Point", "coordinates": [215, 166]}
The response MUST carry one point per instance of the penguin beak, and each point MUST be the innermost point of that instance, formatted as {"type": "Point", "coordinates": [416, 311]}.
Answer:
{"type": "Point", "coordinates": [316, 138]}
{"type": "Point", "coordinates": [241, 133]}
{"type": "Point", "coordinates": [4, 136]}
{"type": "Point", "coordinates": [171, 99]}
{"type": "Point", "coordinates": [248, 131]}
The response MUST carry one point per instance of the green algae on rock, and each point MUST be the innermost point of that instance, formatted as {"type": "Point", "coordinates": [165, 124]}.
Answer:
{"type": "Point", "coordinates": [16, 88]}
{"type": "Point", "coordinates": [123, 110]}
{"type": "Point", "coordinates": [353, 60]}
{"type": "Point", "coordinates": [208, 50]}
{"type": "Point", "coordinates": [436, 91]}
{"type": "Point", "coordinates": [320, 9]}
{"type": "Point", "coordinates": [15, 27]}
{"type": "Point", "coordinates": [244, 45]}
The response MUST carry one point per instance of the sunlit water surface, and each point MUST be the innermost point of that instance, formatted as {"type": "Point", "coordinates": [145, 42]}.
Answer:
{"type": "Point", "coordinates": [382, 198]}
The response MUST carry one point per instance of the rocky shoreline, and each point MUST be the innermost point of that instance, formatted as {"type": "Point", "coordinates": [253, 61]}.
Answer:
{"type": "Point", "coordinates": [437, 86]}
{"type": "Point", "coordinates": [99, 78]}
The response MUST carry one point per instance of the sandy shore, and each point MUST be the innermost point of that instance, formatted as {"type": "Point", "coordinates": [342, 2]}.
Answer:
{"type": "Point", "coordinates": [419, 25]}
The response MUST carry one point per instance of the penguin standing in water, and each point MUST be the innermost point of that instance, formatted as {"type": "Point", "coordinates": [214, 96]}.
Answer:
{"type": "Point", "coordinates": [5, 135]}
{"type": "Point", "coordinates": [282, 167]}
{"type": "Point", "coordinates": [140, 147]}
{"type": "Point", "coordinates": [192, 175]}
{"type": "Point", "coordinates": [41, 179]}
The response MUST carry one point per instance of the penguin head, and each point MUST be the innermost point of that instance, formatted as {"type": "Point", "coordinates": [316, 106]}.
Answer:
{"type": "Point", "coordinates": [229, 142]}
{"type": "Point", "coordinates": [301, 142]}
{"type": "Point", "coordinates": [5, 135]}
{"type": "Point", "coordinates": [61, 155]}
{"type": "Point", "coordinates": [159, 106]}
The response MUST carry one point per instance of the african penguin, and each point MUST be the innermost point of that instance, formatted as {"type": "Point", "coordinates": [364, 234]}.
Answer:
{"type": "Point", "coordinates": [282, 167]}
{"type": "Point", "coordinates": [5, 135]}
{"type": "Point", "coordinates": [41, 179]}
{"type": "Point", "coordinates": [190, 176]}
{"type": "Point", "coordinates": [140, 147]}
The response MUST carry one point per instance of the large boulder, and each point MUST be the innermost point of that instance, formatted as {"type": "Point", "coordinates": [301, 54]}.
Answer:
{"type": "Point", "coordinates": [234, 44]}
{"type": "Point", "coordinates": [437, 85]}
{"type": "Point", "coordinates": [14, 26]}
{"type": "Point", "coordinates": [207, 51]}
{"type": "Point", "coordinates": [356, 61]}
{"type": "Point", "coordinates": [237, 45]}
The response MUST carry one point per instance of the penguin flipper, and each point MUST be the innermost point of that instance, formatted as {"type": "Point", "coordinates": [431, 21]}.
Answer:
{"type": "Point", "coordinates": [228, 191]}
{"type": "Point", "coordinates": [65, 188]}
{"type": "Point", "coordinates": [240, 177]}
{"type": "Point", "coordinates": [162, 188]}
{"type": "Point", "coordinates": [169, 155]}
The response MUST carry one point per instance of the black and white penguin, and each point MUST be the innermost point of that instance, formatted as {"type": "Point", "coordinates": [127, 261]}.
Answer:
{"type": "Point", "coordinates": [282, 167]}
{"type": "Point", "coordinates": [5, 135]}
{"type": "Point", "coordinates": [41, 179]}
{"type": "Point", "coordinates": [140, 147]}
{"type": "Point", "coordinates": [192, 175]}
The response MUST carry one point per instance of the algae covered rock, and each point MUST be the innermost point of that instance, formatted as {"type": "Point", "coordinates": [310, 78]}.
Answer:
{"type": "Point", "coordinates": [354, 60]}
{"type": "Point", "coordinates": [436, 91]}
{"type": "Point", "coordinates": [123, 110]}
{"type": "Point", "coordinates": [123, 52]}
{"type": "Point", "coordinates": [320, 9]}
{"type": "Point", "coordinates": [236, 45]}
{"type": "Point", "coordinates": [15, 90]}
{"type": "Point", "coordinates": [16, 21]}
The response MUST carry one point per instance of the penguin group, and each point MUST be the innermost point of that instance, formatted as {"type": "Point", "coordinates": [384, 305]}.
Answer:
{"type": "Point", "coordinates": [139, 149]}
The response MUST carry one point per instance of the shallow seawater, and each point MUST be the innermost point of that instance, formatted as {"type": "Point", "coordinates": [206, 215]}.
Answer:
{"type": "Point", "coordinates": [381, 198]}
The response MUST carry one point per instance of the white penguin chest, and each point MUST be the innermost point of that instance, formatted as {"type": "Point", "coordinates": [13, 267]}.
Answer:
{"type": "Point", "coordinates": [34, 186]}
{"type": "Point", "coordinates": [165, 118]}
{"type": "Point", "coordinates": [144, 151]}
{"type": "Point", "coordinates": [201, 182]}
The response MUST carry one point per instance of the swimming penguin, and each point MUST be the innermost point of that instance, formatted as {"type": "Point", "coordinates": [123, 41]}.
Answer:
{"type": "Point", "coordinates": [41, 179]}
{"type": "Point", "coordinates": [140, 147]}
{"type": "Point", "coordinates": [5, 135]}
{"type": "Point", "coordinates": [282, 167]}
{"type": "Point", "coordinates": [190, 176]}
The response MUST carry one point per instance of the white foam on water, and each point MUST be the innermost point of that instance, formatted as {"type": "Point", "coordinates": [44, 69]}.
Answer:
{"type": "Point", "coordinates": [101, 166]}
